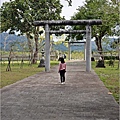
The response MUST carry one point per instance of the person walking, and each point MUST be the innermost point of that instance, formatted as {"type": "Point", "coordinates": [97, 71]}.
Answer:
{"type": "Point", "coordinates": [62, 70]}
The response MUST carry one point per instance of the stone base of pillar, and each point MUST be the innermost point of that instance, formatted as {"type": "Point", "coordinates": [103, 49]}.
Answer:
{"type": "Point", "coordinates": [100, 64]}
{"type": "Point", "coordinates": [92, 59]}
{"type": "Point", "coordinates": [42, 63]}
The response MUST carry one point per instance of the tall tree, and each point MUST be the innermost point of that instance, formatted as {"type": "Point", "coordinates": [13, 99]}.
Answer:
{"type": "Point", "coordinates": [107, 11]}
{"type": "Point", "coordinates": [18, 15]}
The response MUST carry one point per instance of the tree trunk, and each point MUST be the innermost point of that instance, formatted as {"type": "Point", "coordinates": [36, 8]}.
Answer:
{"type": "Point", "coordinates": [9, 60]}
{"type": "Point", "coordinates": [34, 61]}
{"type": "Point", "coordinates": [30, 46]}
{"type": "Point", "coordinates": [99, 44]}
{"type": "Point", "coordinates": [100, 50]}
{"type": "Point", "coordinates": [35, 56]}
{"type": "Point", "coordinates": [118, 58]}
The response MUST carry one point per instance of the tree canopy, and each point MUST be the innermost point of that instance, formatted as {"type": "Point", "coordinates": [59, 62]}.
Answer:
{"type": "Point", "coordinates": [19, 14]}
{"type": "Point", "coordinates": [107, 11]}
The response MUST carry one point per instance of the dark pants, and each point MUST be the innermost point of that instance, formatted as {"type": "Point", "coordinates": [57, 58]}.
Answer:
{"type": "Point", "coordinates": [62, 75]}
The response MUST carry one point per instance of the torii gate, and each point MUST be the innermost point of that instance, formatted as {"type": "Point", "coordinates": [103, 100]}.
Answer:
{"type": "Point", "coordinates": [69, 32]}
{"type": "Point", "coordinates": [78, 42]}
{"type": "Point", "coordinates": [88, 24]}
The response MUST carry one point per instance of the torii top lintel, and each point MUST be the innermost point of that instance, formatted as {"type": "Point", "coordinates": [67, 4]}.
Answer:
{"type": "Point", "coordinates": [68, 22]}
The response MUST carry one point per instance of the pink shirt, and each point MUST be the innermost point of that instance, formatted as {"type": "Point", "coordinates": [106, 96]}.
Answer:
{"type": "Point", "coordinates": [62, 66]}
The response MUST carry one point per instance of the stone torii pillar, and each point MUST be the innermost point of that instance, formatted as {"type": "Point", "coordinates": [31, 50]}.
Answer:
{"type": "Point", "coordinates": [88, 24]}
{"type": "Point", "coordinates": [47, 48]}
{"type": "Point", "coordinates": [85, 51]}
{"type": "Point", "coordinates": [69, 51]}
{"type": "Point", "coordinates": [88, 48]}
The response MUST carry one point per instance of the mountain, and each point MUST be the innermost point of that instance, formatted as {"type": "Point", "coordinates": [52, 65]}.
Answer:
{"type": "Point", "coordinates": [60, 47]}
{"type": "Point", "coordinates": [6, 40]}
{"type": "Point", "coordinates": [74, 47]}
{"type": "Point", "coordinates": [108, 43]}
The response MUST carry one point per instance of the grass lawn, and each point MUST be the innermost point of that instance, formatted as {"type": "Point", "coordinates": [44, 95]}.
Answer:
{"type": "Point", "coordinates": [110, 77]}
{"type": "Point", "coordinates": [17, 73]}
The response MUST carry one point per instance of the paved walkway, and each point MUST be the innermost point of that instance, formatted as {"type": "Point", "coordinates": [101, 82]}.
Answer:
{"type": "Point", "coordinates": [42, 97]}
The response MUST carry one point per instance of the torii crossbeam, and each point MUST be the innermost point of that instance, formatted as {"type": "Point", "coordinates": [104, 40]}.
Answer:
{"type": "Point", "coordinates": [67, 22]}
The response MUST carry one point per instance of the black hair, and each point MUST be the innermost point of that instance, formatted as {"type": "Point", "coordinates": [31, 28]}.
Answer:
{"type": "Point", "coordinates": [62, 60]}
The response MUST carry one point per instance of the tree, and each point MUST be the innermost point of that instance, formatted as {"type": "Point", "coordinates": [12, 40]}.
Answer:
{"type": "Point", "coordinates": [69, 2]}
{"type": "Point", "coordinates": [105, 10]}
{"type": "Point", "coordinates": [19, 15]}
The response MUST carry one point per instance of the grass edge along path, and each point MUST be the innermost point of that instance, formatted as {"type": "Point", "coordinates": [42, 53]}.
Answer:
{"type": "Point", "coordinates": [17, 73]}
{"type": "Point", "coordinates": [110, 77]}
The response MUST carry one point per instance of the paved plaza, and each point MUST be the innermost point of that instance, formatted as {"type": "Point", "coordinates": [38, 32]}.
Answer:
{"type": "Point", "coordinates": [43, 97]}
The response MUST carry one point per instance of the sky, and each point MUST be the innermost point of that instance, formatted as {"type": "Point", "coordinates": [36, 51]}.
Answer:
{"type": "Point", "coordinates": [67, 11]}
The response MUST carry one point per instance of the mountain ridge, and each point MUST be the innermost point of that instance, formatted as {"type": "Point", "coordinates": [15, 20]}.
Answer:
{"type": "Point", "coordinates": [8, 39]}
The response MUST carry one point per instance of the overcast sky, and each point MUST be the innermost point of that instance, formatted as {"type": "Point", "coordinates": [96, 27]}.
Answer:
{"type": "Point", "coordinates": [67, 11]}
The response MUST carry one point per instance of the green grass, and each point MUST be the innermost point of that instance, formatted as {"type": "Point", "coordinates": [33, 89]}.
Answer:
{"type": "Point", "coordinates": [17, 73]}
{"type": "Point", "coordinates": [110, 78]}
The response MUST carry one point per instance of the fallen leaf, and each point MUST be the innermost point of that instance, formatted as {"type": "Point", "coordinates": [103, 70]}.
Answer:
{"type": "Point", "coordinates": [109, 93]}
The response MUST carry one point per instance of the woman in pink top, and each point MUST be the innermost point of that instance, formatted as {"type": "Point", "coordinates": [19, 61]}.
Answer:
{"type": "Point", "coordinates": [62, 70]}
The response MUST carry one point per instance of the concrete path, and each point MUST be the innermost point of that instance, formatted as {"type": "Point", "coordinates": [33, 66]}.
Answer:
{"type": "Point", "coordinates": [43, 97]}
